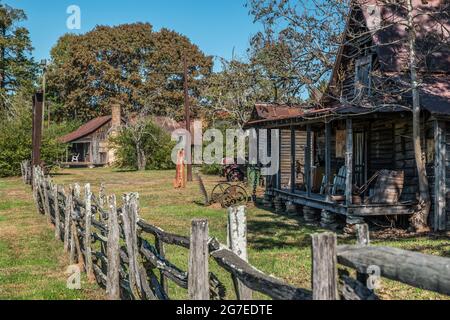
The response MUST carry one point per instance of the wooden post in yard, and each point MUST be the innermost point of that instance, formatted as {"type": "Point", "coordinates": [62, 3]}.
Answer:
{"type": "Point", "coordinates": [57, 215]}
{"type": "Point", "coordinates": [87, 236]}
{"type": "Point", "coordinates": [237, 242]}
{"type": "Point", "coordinates": [187, 114]}
{"type": "Point", "coordinates": [198, 274]}
{"type": "Point", "coordinates": [37, 129]}
{"type": "Point", "coordinates": [324, 267]}
{"type": "Point", "coordinates": [363, 239]}
{"type": "Point", "coordinates": [112, 278]}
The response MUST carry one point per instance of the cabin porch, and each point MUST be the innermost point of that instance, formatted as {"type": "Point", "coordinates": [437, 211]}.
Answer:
{"type": "Point", "coordinates": [355, 167]}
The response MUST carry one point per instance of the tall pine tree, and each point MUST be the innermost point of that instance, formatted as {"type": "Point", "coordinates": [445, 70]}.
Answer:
{"type": "Point", "coordinates": [17, 68]}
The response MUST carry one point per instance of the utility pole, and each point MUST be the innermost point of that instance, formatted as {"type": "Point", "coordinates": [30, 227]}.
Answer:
{"type": "Point", "coordinates": [187, 113]}
{"type": "Point", "coordinates": [37, 129]}
{"type": "Point", "coordinates": [44, 83]}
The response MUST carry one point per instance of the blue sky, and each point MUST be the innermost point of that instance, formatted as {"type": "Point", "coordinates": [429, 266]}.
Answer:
{"type": "Point", "coordinates": [217, 26]}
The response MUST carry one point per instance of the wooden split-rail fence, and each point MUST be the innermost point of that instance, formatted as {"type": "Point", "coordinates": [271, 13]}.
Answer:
{"type": "Point", "coordinates": [110, 244]}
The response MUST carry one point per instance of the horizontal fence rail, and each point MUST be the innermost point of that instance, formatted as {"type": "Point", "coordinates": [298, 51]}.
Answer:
{"type": "Point", "coordinates": [112, 245]}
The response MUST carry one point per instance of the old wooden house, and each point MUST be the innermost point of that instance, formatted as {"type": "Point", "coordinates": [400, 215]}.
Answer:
{"type": "Point", "coordinates": [351, 154]}
{"type": "Point", "coordinates": [88, 145]}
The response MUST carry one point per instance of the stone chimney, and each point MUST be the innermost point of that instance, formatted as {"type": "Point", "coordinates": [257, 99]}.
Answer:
{"type": "Point", "coordinates": [116, 122]}
{"type": "Point", "coordinates": [116, 116]}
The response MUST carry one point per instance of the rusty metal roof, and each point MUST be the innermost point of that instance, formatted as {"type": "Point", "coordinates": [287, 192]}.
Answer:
{"type": "Point", "coordinates": [85, 129]}
{"type": "Point", "coordinates": [269, 112]}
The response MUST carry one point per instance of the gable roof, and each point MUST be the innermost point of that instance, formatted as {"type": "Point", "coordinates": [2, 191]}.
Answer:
{"type": "Point", "coordinates": [86, 129]}
{"type": "Point", "coordinates": [387, 22]}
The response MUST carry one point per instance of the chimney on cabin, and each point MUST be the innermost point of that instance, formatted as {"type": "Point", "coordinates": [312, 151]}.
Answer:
{"type": "Point", "coordinates": [116, 116]}
{"type": "Point", "coordinates": [116, 122]}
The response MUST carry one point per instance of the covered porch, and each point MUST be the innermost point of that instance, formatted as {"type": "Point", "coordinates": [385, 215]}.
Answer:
{"type": "Point", "coordinates": [357, 167]}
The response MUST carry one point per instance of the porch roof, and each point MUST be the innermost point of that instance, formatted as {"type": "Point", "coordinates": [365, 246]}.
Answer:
{"type": "Point", "coordinates": [434, 98]}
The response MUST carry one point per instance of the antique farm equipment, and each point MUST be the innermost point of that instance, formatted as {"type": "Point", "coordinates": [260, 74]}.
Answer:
{"type": "Point", "coordinates": [232, 170]}
{"type": "Point", "coordinates": [234, 195]}
{"type": "Point", "coordinates": [227, 194]}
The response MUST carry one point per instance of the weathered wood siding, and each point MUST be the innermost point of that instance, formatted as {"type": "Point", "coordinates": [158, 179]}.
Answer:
{"type": "Point", "coordinates": [285, 154]}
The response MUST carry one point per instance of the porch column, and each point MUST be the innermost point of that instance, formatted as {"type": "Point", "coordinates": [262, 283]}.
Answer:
{"type": "Point", "coordinates": [270, 179]}
{"type": "Point", "coordinates": [308, 160]}
{"type": "Point", "coordinates": [440, 189]}
{"type": "Point", "coordinates": [279, 161]}
{"type": "Point", "coordinates": [349, 163]}
{"type": "Point", "coordinates": [328, 153]}
{"type": "Point", "coordinates": [293, 171]}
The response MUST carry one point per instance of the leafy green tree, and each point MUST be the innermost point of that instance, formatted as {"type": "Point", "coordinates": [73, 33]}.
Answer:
{"type": "Point", "coordinates": [16, 144]}
{"type": "Point", "coordinates": [17, 68]}
{"type": "Point", "coordinates": [127, 64]}
{"type": "Point", "coordinates": [141, 145]}
{"type": "Point", "coordinates": [299, 41]}
{"type": "Point", "coordinates": [231, 94]}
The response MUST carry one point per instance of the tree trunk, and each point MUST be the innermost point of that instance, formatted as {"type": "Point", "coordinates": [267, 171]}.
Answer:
{"type": "Point", "coordinates": [420, 218]}
{"type": "Point", "coordinates": [140, 157]}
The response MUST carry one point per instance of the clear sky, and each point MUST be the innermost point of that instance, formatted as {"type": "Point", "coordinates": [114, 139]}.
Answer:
{"type": "Point", "coordinates": [217, 26]}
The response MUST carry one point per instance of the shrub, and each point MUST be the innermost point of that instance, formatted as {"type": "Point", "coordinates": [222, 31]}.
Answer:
{"type": "Point", "coordinates": [155, 144]}
{"type": "Point", "coordinates": [212, 169]}
{"type": "Point", "coordinates": [16, 143]}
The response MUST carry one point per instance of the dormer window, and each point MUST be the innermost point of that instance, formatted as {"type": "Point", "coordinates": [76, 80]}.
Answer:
{"type": "Point", "coordinates": [362, 76]}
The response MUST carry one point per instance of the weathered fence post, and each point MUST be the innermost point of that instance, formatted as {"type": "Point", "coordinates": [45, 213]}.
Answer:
{"type": "Point", "coordinates": [363, 239]}
{"type": "Point", "coordinates": [102, 197]}
{"type": "Point", "coordinates": [237, 242]}
{"type": "Point", "coordinates": [324, 267]}
{"type": "Point", "coordinates": [47, 209]}
{"type": "Point", "coordinates": [87, 231]}
{"type": "Point", "coordinates": [130, 216]}
{"type": "Point", "coordinates": [68, 215]}
{"type": "Point", "coordinates": [74, 241]}
{"type": "Point", "coordinates": [57, 216]}
{"type": "Point", "coordinates": [113, 277]}
{"type": "Point", "coordinates": [162, 253]}
{"type": "Point", "coordinates": [77, 191]}
{"type": "Point", "coordinates": [198, 274]}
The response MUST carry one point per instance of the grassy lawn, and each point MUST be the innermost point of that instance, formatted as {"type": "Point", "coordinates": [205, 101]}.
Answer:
{"type": "Point", "coordinates": [32, 263]}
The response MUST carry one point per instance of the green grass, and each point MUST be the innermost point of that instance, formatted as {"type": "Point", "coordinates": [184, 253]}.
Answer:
{"type": "Point", "coordinates": [278, 245]}
{"type": "Point", "coordinates": [32, 262]}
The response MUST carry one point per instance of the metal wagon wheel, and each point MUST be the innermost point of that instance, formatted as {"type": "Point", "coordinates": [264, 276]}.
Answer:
{"type": "Point", "coordinates": [234, 196]}
{"type": "Point", "coordinates": [219, 191]}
